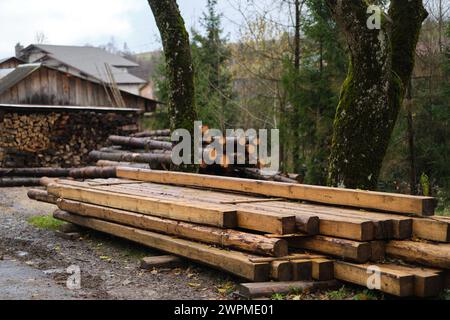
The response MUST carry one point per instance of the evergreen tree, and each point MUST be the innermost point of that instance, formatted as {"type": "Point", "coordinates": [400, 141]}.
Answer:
{"type": "Point", "coordinates": [213, 82]}
{"type": "Point", "coordinates": [433, 129]}
{"type": "Point", "coordinates": [431, 124]}
{"type": "Point", "coordinates": [313, 93]}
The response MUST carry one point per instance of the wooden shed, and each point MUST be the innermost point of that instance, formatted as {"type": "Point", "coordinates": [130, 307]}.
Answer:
{"type": "Point", "coordinates": [38, 84]}
{"type": "Point", "coordinates": [11, 62]}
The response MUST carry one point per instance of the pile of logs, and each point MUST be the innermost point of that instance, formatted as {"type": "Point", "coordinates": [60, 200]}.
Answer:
{"type": "Point", "coordinates": [260, 231]}
{"type": "Point", "coordinates": [150, 149]}
{"type": "Point", "coordinates": [18, 177]}
{"type": "Point", "coordinates": [61, 139]}
{"type": "Point", "coordinates": [153, 149]}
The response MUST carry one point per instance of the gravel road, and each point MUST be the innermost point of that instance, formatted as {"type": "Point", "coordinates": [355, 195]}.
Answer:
{"type": "Point", "coordinates": [34, 262]}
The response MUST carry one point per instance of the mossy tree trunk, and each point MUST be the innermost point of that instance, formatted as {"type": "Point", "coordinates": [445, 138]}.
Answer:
{"type": "Point", "coordinates": [177, 52]}
{"type": "Point", "coordinates": [180, 70]}
{"type": "Point", "coordinates": [381, 63]}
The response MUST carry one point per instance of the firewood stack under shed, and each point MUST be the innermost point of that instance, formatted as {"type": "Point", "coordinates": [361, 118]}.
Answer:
{"type": "Point", "coordinates": [37, 141]}
{"type": "Point", "coordinates": [47, 136]}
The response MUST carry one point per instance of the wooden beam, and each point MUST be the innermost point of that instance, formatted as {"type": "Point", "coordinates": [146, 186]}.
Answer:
{"type": "Point", "coordinates": [196, 212]}
{"type": "Point", "coordinates": [431, 229]}
{"type": "Point", "coordinates": [428, 254]}
{"type": "Point", "coordinates": [301, 270]}
{"type": "Point", "coordinates": [253, 243]}
{"type": "Point", "coordinates": [322, 269]}
{"type": "Point", "coordinates": [265, 221]}
{"type": "Point", "coordinates": [385, 226]}
{"type": "Point", "coordinates": [250, 201]}
{"type": "Point", "coordinates": [281, 271]}
{"type": "Point", "coordinates": [398, 203]}
{"type": "Point", "coordinates": [292, 257]}
{"type": "Point", "coordinates": [347, 249]}
{"type": "Point", "coordinates": [42, 196]}
{"type": "Point", "coordinates": [393, 282]}
{"type": "Point", "coordinates": [427, 282]}
{"type": "Point", "coordinates": [231, 261]}
{"type": "Point", "coordinates": [312, 222]}
{"type": "Point", "coordinates": [347, 228]}
{"type": "Point", "coordinates": [267, 289]}
{"type": "Point", "coordinates": [446, 279]}
{"type": "Point", "coordinates": [378, 249]}
{"type": "Point", "coordinates": [167, 261]}
{"type": "Point", "coordinates": [256, 220]}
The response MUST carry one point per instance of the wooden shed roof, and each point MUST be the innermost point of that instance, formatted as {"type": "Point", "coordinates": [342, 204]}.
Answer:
{"type": "Point", "coordinates": [91, 61]}
{"type": "Point", "coordinates": [23, 71]}
{"type": "Point", "coordinates": [43, 108]}
{"type": "Point", "coordinates": [17, 75]}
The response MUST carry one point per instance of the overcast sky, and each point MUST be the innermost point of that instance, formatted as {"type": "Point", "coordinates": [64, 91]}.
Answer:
{"type": "Point", "coordinates": [93, 22]}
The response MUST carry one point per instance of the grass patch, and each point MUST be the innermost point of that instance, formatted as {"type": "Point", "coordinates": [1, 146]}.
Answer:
{"type": "Point", "coordinates": [295, 291]}
{"type": "Point", "coordinates": [443, 212]}
{"type": "Point", "coordinates": [45, 222]}
{"type": "Point", "coordinates": [278, 296]}
{"type": "Point", "coordinates": [445, 295]}
{"type": "Point", "coordinates": [341, 294]}
{"type": "Point", "coordinates": [366, 295]}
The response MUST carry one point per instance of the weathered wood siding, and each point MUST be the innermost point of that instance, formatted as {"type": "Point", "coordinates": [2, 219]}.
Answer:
{"type": "Point", "coordinates": [9, 64]}
{"type": "Point", "coordinates": [51, 87]}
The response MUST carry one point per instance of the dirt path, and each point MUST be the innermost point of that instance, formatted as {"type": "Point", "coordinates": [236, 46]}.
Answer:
{"type": "Point", "coordinates": [18, 282]}
{"type": "Point", "coordinates": [33, 263]}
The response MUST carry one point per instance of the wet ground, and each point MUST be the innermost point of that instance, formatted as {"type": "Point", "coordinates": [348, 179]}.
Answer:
{"type": "Point", "coordinates": [34, 262]}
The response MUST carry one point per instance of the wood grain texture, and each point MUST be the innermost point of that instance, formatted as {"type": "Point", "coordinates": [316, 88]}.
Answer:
{"type": "Point", "coordinates": [403, 204]}
{"type": "Point", "coordinates": [233, 262]}
{"type": "Point", "coordinates": [253, 243]}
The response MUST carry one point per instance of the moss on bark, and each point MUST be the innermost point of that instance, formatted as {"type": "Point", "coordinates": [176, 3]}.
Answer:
{"type": "Point", "coordinates": [380, 62]}
{"type": "Point", "coordinates": [180, 68]}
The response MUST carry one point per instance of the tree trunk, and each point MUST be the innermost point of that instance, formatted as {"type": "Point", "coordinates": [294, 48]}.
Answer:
{"type": "Point", "coordinates": [381, 63]}
{"type": "Point", "coordinates": [297, 36]}
{"type": "Point", "coordinates": [34, 172]}
{"type": "Point", "coordinates": [180, 69]}
{"type": "Point", "coordinates": [145, 143]}
{"type": "Point", "coordinates": [154, 160]}
{"type": "Point", "coordinates": [42, 196]}
{"type": "Point", "coordinates": [298, 145]}
{"type": "Point", "coordinates": [19, 182]}
{"type": "Point", "coordinates": [152, 133]}
{"type": "Point", "coordinates": [93, 173]}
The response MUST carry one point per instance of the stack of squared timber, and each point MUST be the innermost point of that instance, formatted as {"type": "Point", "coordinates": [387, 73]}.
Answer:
{"type": "Point", "coordinates": [153, 149]}
{"type": "Point", "coordinates": [264, 230]}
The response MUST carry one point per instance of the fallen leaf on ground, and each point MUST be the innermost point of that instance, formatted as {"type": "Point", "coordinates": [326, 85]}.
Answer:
{"type": "Point", "coordinates": [194, 285]}
{"type": "Point", "coordinates": [106, 258]}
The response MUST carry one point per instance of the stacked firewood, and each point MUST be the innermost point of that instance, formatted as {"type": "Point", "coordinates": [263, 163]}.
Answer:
{"type": "Point", "coordinates": [28, 133]}
{"type": "Point", "coordinates": [58, 139]}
